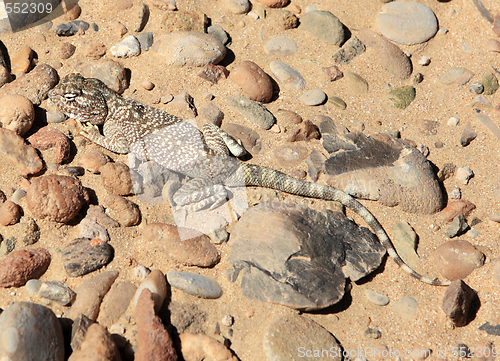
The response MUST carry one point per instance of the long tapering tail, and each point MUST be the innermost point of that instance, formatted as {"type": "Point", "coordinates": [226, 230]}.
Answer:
{"type": "Point", "coordinates": [259, 176]}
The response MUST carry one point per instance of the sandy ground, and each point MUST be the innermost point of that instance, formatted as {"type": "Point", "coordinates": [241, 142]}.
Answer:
{"type": "Point", "coordinates": [463, 45]}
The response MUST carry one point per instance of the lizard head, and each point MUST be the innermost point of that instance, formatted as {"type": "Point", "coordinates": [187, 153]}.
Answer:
{"type": "Point", "coordinates": [81, 99]}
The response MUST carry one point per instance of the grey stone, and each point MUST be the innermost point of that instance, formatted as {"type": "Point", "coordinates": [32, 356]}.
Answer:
{"type": "Point", "coordinates": [195, 284]}
{"type": "Point", "coordinates": [71, 28]}
{"type": "Point", "coordinates": [91, 229]}
{"type": "Point", "coordinates": [313, 97]}
{"type": "Point", "coordinates": [56, 291]}
{"type": "Point", "coordinates": [456, 76]}
{"type": "Point", "coordinates": [352, 48]}
{"type": "Point", "coordinates": [457, 227]}
{"type": "Point", "coordinates": [405, 243]}
{"type": "Point", "coordinates": [30, 331]}
{"type": "Point", "coordinates": [491, 328]}
{"type": "Point", "coordinates": [458, 303]}
{"type": "Point", "coordinates": [323, 25]}
{"type": "Point", "coordinates": [287, 76]}
{"type": "Point", "coordinates": [55, 116]}
{"type": "Point", "coordinates": [219, 33]}
{"type": "Point", "coordinates": [146, 40]}
{"type": "Point", "coordinates": [281, 46]}
{"type": "Point", "coordinates": [82, 256]}
{"type": "Point", "coordinates": [407, 22]}
{"type": "Point", "coordinates": [252, 111]}
{"type": "Point", "coordinates": [288, 251]}
{"type": "Point", "coordinates": [476, 88]}
{"type": "Point", "coordinates": [406, 307]}
{"type": "Point", "coordinates": [126, 48]}
{"type": "Point", "coordinates": [376, 298]}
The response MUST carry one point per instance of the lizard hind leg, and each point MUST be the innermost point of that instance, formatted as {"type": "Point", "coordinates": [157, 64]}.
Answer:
{"type": "Point", "coordinates": [200, 193]}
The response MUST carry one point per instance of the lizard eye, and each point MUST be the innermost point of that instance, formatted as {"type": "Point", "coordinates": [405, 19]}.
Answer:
{"type": "Point", "coordinates": [70, 96]}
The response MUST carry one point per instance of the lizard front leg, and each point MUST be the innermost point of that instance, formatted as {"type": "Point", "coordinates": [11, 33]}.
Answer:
{"type": "Point", "coordinates": [113, 140]}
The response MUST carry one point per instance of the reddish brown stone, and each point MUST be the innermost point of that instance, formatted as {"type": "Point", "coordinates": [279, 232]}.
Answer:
{"type": "Point", "coordinates": [57, 198]}
{"type": "Point", "coordinates": [125, 212]}
{"type": "Point", "coordinates": [253, 81]}
{"type": "Point", "coordinates": [455, 208]}
{"type": "Point", "coordinates": [21, 266]}
{"type": "Point", "coordinates": [116, 178]}
{"type": "Point", "coordinates": [213, 73]}
{"type": "Point", "coordinates": [153, 341]}
{"type": "Point", "coordinates": [23, 156]}
{"type": "Point", "coordinates": [48, 137]}
{"type": "Point", "coordinates": [455, 260]}
{"type": "Point", "coordinates": [195, 250]}
{"type": "Point", "coordinates": [94, 160]}
{"type": "Point", "coordinates": [9, 213]}
{"type": "Point", "coordinates": [306, 131]}
{"type": "Point", "coordinates": [457, 302]}
{"type": "Point", "coordinates": [203, 347]}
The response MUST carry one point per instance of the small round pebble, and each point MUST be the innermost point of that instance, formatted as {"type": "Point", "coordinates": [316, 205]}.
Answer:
{"type": "Point", "coordinates": [493, 45]}
{"type": "Point", "coordinates": [32, 286]}
{"type": "Point", "coordinates": [195, 284]}
{"type": "Point", "coordinates": [281, 46]}
{"type": "Point", "coordinates": [337, 102]}
{"type": "Point", "coordinates": [287, 76]}
{"type": "Point", "coordinates": [464, 174]}
{"type": "Point", "coordinates": [16, 113]}
{"type": "Point", "coordinates": [253, 81]}
{"type": "Point", "coordinates": [10, 213]}
{"type": "Point", "coordinates": [424, 61]}
{"type": "Point", "coordinates": [146, 84]}
{"type": "Point", "coordinates": [456, 193]}
{"type": "Point", "coordinates": [55, 116]}
{"type": "Point", "coordinates": [376, 298]}
{"type": "Point", "coordinates": [453, 121]}
{"type": "Point", "coordinates": [476, 88]}
{"type": "Point", "coordinates": [228, 320]}
{"type": "Point", "coordinates": [236, 6]}
{"type": "Point", "coordinates": [141, 272]}
{"type": "Point", "coordinates": [313, 97]}
{"type": "Point", "coordinates": [127, 48]}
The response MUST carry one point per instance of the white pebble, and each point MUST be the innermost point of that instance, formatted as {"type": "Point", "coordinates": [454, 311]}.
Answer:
{"type": "Point", "coordinates": [456, 193]}
{"type": "Point", "coordinates": [142, 272]}
{"type": "Point", "coordinates": [424, 61]}
{"type": "Point", "coordinates": [228, 320]}
{"type": "Point", "coordinates": [253, 15]}
{"type": "Point", "coordinates": [407, 53]}
{"type": "Point", "coordinates": [453, 121]}
{"type": "Point", "coordinates": [311, 8]}
{"type": "Point", "coordinates": [464, 174]}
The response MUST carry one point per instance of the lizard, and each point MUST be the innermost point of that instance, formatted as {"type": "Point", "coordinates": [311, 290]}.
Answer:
{"type": "Point", "coordinates": [209, 157]}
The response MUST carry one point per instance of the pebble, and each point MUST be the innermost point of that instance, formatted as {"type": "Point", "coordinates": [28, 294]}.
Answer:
{"type": "Point", "coordinates": [126, 48]}
{"type": "Point", "coordinates": [249, 138]}
{"type": "Point", "coordinates": [94, 50]}
{"type": "Point", "coordinates": [56, 198]}
{"type": "Point", "coordinates": [20, 266]}
{"type": "Point", "coordinates": [252, 111]}
{"type": "Point", "coordinates": [16, 113]}
{"type": "Point", "coordinates": [356, 84]}
{"type": "Point", "coordinates": [314, 163]}
{"type": "Point", "coordinates": [153, 340]}
{"type": "Point", "coordinates": [455, 260]}
{"type": "Point", "coordinates": [402, 97]}
{"type": "Point", "coordinates": [468, 135]}
{"type": "Point", "coordinates": [490, 83]}
{"type": "Point", "coordinates": [89, 295]}
{"type": "Point", "coordinates": [227, 320]}
{"type": "Point", "coordinates": [66, 50]}
{"type": "Point", "coordinates": [124, 211]}
{"type": "Point", "coordinates": [30, 331]}
{"type": "Point", "coordinates": [463, 175]}
{"type": "Point", "coordinates": [203, 347]}
{"type": "Point", "coordinates": [116, 178]}
{"type": "Point", "coordinates": [333, 72]}
{"type": "Point", "coordinates": [456, 76]}
{"type": "Point", "coordinates": [55, 116]}
{"type": "Point", "coordinates": [424, 61]}
{"type": "Point", "coordinates": [494, 217]}
{"type": "Point", "coordinates": [116, 302]}
{"type": "Point", "coordinates": [186, 48]}
{"type": "Point", "coordinates": [446, 171]}
{"type": "Point", "coordinates": [5, 76]}
{"type": "Point", "coordinates": [30, 232]}
{"type": "Point", "coordinates": [211, 113]}
{"type": "Point", "coordinates": [183, 245]}
{"type": "Point", "coordinates": [453, 121]}
{"type": "Point", "coordinates": [284, 334]}
{"type": "Point", "coordinates": [376, 298]}
{"type": "Point", "coordinates": [324, 26]}
{"type": "Point", "coordinates": [313, 97]}
{"type": "Point", "coordinates": [141, 17]}
{"type": "Point", "coordinates": [455, 208]}
{"type": "Point", "coordinates": [164, 4]}
{"type": "Point", "coordinates": [493, 45]}
{"type": "Point", "coordinates": [213, 73]}
{"type": "Point", "coordinates": [337, 102]}
{"type": "Point", "coordinates": [7, 246]}
{"type": "Point", "coordinates": [287, 76]}
{"type": "Point", "coordinates": [119, 28]}
{"type": "Point", "coordinates": [74, 171]}
{"type": "Point", "coordinates": [457, 302]}
{"type": "Point", "coordinates": [406, 307]}
{"type": "Point", "coordinates": [93, 160]}
{"type": "Point", "coordinates": [352, 48]}
{"type": "Point", "coordinates": [456, 193]}
{"type": "Point", "coordinates": [146, 40]}
{"type": "Point", "coordinates": [373, 333]}
{"type": "Point", "coordinates": [219, 33]}
{"type": "Point", "coordinates": [156, 284]}
{"type": "Point", "coordinates": [35, 85]}
{"type": "Point", "coordinates": [281, 46]}
{"type": "Point", "coordinates": [405, 243]}
{"type": "Point", "coordinates": [306, 131]}
{"type": "Point", "coordinates": [236, 6]}
{"type": "Point", "coordinates": [283, 19]}
{"type": "Point", "coordinates": [476, 88]}
{"type": "Point", "coordinates": [407, 22]}
{"type": "Point", "coordinates": [110, 72]}
{"type": "Point", "coordinates": [56, 291]}
{"type": "Point", "coordinates": [83, 255]}
{"type": "Point", "coordinates": [195, 284]}
{"type": "Point", "coordinates": [71, 28]}
{"type": "Point", "coordinates": [10, 213]}
{"type": "Point", "coordinates": [73, 13]}
{"type": "Point", "coordinates": [274, 3]}
{"type": "Point", "coordinates": [418, 78]}
{"type": "Point", "coordinates": [91, 229]}
{"type": "Point", "coordinates": [47, 138]}
{"type": "Point", "coordinates": [32, 287]}
{"type": "Point", "coordinates": [289, 155]}
{"type": "Point", "coordinates": [21, 61]}
{"type": "Point", "coordinates": [98, 344]}
{"type": "Point", "coordinates": [457, 227]}
{"type": "Point", "coordinates": [256, 84]}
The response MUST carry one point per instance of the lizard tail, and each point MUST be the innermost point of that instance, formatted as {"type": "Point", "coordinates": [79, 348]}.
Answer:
{"type": "Point", "coordinates": [269, 178]}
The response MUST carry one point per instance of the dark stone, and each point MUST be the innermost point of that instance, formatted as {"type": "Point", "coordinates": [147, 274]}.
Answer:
{"type": "Point", "coordinates": [71, 28]}
{"type": "Point", "coordinates": [458, 301]}
{"type": "Point", "coordinates": [83, 256]}
{"type": "Point", "coordinates": [75, 171]}
{"type": "Point", "coordinates": [299, 257]}
{"type": "Point", "coordinates": [457, 227]}
{"type": "Point", "coordinates": [146, 40]}
{"type": "Point", "coordinates": [349, 50]}
{"type": "Point", "coordinates": [491, 329]}
{"type": "Point", "coordinates": [78, 330]}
